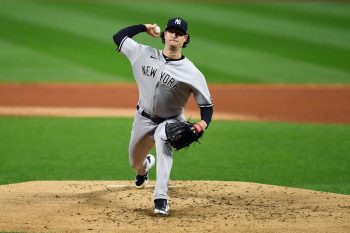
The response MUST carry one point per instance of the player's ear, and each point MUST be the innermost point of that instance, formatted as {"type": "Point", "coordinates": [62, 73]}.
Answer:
{"type": "Point", "coordinates": [186, 36]}
{"type": "Point", "coordinates": [187, 41]}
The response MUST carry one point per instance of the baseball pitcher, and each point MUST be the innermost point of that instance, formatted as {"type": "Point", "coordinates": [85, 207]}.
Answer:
{"type": "Point", "coordinates": [165, 80]}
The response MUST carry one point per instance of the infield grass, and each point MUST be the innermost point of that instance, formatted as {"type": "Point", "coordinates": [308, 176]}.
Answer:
{"type": "Point", "coordinates": [71, 41]}
{"type": "Point", "coordinates": [297, 155]}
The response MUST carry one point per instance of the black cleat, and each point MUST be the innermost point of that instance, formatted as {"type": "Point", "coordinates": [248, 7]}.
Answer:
{"type": "Point", "coordinates": [161, 207]}
{"type": "Point", "coordinates": [141, 181]}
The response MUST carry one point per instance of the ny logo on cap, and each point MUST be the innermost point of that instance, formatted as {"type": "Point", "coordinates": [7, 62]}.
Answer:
{"type": "Point", "coordinates": [178, 21]}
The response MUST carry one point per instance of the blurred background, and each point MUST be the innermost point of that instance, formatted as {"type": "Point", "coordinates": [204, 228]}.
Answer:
{"type": "Point", "coordinates": [252, 42]}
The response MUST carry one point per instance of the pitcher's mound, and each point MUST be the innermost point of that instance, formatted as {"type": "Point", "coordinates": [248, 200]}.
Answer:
{"type": "Point", "coordinates": [195, 206]}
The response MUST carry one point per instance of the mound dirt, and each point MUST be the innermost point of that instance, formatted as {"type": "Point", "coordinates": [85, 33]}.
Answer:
{"type": "Point", "coordinates": [196, 206]}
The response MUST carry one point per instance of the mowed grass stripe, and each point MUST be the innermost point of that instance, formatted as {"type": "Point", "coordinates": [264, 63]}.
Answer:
{"type": "Point", "coordinates": [263, 67]}
{"type": "Point", "coordinates": [248, 65]}
{"type": "Point", "coordinates": [100, 10]}
{"type": "Point", "coordinates": [221, 34]}
{"type": "Point", "coordinates": [227, 56]}
{"type": "Point", "coordinates": [97, 149]}
{"type": "Point", "coordinates": [50, 15]}
{"type": "Point", "coordinates": [57, 11]}
{"type": "Point", "coordinates": [84, 51]}
{"type": "Point", "coordinates": [214, 75]}
{"type": "Point", "coordinates": [82, 39]}
{"type": "Point", "coordinates": [63, 149]}
{"type": "Point", "coordinates": [276, 24]}
{"type": "Point", "coordinates": [333, 9]}
{"type": "Point", "coordinates": [36, 66]}
{"type": "Point", "coordinates": [231, 17]}
{"type": "Point", "coordinates": [238, 62]}
{"type": "Point", "coordinates": [286, 12]}
{"type": "Point", "coordinates": [105, 13]}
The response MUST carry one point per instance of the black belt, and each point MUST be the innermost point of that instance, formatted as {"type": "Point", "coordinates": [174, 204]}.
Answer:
{"type": "Point", "coordinates": [155, 119]}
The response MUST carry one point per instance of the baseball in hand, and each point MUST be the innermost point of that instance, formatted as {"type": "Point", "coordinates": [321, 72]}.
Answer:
{"type": "Point", "coordinates": [156, 30]}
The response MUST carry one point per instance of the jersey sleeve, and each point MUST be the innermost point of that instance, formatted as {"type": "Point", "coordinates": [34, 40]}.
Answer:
{"type": "Point", "coordinates": [201, 92]}
{"type": "Point", "coordinates": [131, 49]}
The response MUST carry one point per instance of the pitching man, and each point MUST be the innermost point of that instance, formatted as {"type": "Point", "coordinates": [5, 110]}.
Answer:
{"type": "Point", "coordinates": [165, 79]}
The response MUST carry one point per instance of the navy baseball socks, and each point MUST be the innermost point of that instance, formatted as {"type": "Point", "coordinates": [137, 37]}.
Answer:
{"type": "Point", "coordinates": [142, 180]}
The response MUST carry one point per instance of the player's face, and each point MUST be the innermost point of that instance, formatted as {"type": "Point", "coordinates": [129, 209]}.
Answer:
{"type": "Point", "coordinates": [175, 37]}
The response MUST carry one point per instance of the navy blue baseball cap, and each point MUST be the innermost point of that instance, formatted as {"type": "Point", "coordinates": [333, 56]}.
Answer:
{"type": "Point", "coordinates": [177, 23]}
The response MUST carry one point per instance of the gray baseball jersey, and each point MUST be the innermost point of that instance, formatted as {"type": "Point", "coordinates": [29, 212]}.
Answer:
{"type": "Point", "coordinates": [164, 89]}
{"type": "Point", "coordinates": [164, 86]}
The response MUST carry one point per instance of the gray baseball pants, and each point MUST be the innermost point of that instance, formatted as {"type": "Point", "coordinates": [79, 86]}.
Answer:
{"type": "Point", "coordinates": [144, 135]}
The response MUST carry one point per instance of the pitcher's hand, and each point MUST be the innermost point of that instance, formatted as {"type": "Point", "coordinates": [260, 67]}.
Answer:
{"type": "Point", "coordinates": [151, 30]}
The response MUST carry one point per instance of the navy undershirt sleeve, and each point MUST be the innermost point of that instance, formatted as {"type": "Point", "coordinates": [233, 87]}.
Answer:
{"type": "Point", "coordinates": [129, 32]}
{"type": "Point", "coordinates": [206, 114]}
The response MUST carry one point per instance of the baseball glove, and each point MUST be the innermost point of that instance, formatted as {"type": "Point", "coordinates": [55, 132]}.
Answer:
{"type": "Point", "coordinates": [182, 134]}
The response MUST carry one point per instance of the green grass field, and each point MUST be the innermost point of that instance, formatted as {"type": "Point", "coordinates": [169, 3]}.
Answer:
{"type": "Point", "coordinates": [70, 41]}
{"type": "Point", "coordinates": [307, 156]}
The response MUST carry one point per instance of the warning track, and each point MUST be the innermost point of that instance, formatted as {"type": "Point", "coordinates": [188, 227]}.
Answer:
{"type": "Point", "coordinates": [289, 103]}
